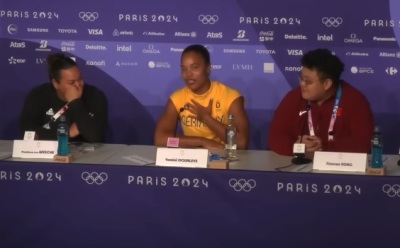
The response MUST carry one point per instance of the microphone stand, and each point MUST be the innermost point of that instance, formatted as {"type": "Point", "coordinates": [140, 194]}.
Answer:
{"type": "Point", "coordinates": [300, 158]}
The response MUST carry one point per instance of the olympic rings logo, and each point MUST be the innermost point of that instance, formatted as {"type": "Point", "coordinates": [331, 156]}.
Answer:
{"type": "Point", "coordinates": [391, 190]}
{"type": "Point", "coordinates": [208, 19]}
{"type": "Point", "coordinates": [332, 21]}
{"type": "Point", "coordinates": [242, 184]}
{"type": "Point", "coordinates": [94, 177]}
{"type": "Point", "coordinates": [88, 16]}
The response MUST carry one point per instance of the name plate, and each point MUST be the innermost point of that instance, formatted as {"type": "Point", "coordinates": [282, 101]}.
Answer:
{"type": "Point", "coordinates": [182, 157]}
{"type": "Point", "coordinates": [34, 149]}
{"type": "Point", "coordinates": [340, 161]}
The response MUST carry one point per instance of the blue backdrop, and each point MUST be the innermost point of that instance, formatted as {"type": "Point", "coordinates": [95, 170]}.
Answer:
{"type": "Point", "coordinates": [131, 50]}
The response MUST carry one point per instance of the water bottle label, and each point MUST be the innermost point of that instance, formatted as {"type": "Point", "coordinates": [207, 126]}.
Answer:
{"type": "Point", "coordinates": [230, 147]}
{"type": "Point", "coordinates": [62, 131]}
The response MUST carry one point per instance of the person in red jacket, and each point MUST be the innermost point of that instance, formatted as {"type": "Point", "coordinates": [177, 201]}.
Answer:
{"type": "Point", "coordinates": [324, 112]}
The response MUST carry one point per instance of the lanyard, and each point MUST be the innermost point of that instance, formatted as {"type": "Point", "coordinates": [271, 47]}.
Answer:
{"type": "Point", "coordinates": [333, 117]}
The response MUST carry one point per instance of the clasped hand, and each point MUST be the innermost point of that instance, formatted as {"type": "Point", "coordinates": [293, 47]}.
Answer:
{"type": "Point", "coordinates": [312, 143]}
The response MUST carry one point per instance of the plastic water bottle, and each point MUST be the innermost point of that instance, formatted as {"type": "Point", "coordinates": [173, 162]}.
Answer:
{"type": "Point", "coordinates": [62, 137]}
{"type": "Point", "coordinates": [376, 149]}
{"type": "Point", "coordinates": [230, 132]}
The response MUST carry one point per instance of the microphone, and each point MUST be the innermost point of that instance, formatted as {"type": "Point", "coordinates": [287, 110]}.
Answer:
{"type": "Point", "coordinates": [177, 118]}
{"type": "Point", "coordinates": [300, 157]}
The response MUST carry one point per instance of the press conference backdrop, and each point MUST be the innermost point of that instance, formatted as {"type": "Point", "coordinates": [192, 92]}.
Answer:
{"type": "Point", "coordinates": [131, 50]}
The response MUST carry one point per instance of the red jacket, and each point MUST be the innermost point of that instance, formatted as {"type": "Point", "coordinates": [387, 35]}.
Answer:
{"type": "Point", "coordinates": [353, 127]}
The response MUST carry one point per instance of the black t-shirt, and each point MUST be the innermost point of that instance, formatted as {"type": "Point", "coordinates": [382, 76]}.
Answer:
{"type": "Point", "coordinates": [89, 113]}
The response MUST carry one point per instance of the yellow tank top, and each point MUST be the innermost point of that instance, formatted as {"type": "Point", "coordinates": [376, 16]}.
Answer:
{"type": "Point", "coordinates": [222, 96]}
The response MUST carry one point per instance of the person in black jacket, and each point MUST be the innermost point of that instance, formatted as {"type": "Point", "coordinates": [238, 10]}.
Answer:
{"type": "Point", "coordinates": [84, 106]}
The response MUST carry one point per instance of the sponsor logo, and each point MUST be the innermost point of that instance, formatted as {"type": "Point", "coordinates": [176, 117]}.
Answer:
{"type": "Point", "coordinates": [188, 34]}
{"type": "Point", "coordinates": [37, 30]}
{"type": "Point", "coordinates": [43, 46]}
{"type": "Point", "coordinates": [357, 54]}
{"type": "Point", "coordinates": [95, 47]}
{"type": "Point", "coordinates": [242, 184]}
{"type": "Point", "coordinates": [126, 63]}
{"type": "Point", "coordinates": [216, 67]}
{"type": "Point", "coordinates": [175, 182]}
{"type": "Point", "coordinates": [265, 51]}
{"type": "Point", "coordinates": [214, 35]}
{"type": "Point", "coordinates": [14, 61]}
{"type": "Point", "coordinates": [95, 31]}
{"type": "Point", "coordinates": [302, 112]}
{"type": "Point", "coordinates": [50, 112]}
{"type": "Point", "coordinates": [361, 70]}
{"type": "Point", "coordinates": [294, 52]}
{"type": "Point", "coordinates": [88, 16]}
{"type": "Point", "coordinates": [94, 177]}
{"type": "Point", "coordinates": [324, 37]}
{"type": "Point", "coordinates": [391, 71]}
{"type": "Point", "coordinates": [12, 29]}
{"type": "Point", "coordinates": [353, 39]}
{"type": "Point", "coordinates": [266, 36]}
{"type": "Point", "coordinates": [151, 49]}
{"type": "Point", "coordinates": [176, 50]}
{"type": "Point", "coordinates": [380, 23]}
{"type": "Point", "coordinates": [151, 33]}
{"type": "Point", "coordinates": [159, 65]}
{"type": "Point", "coordinates": [96, 63]}
{"type": "Point", "coordinates": [242, 67]}
{"type": "Point", "coordinates": [208, 19]}
{"type": "Point", "coordinates": [286, 21]}
{"type": "Point", "coordinates": [67, 31]}
{"type": "Point", "coordinates": [17, 14]}
{"type": "Point", "coordinates": [295, 37]}
{"type": "Point", "coordinates": [391, 190]}
{"type": "Point", "coordinates": [14, 14]}
{"type": "Point", "coordinates": [123, 48]}
{"type": "Point", "coordinates": [117, 32]}
{"type": "Point", "coordinates": [269, 68]}
{"type": "Point", "coordinates": [30, 176]}
{"type": "Point", "coordinates": [40, 61]}
{"type": "Point", "coordinates": [241, 36]}
{"type": "Point", "coordinates": [293, 68]}
{"type": "Point", "coordinates": [15, 44]}
{"type": "Point", "coordinates": [147, 18]}
{"type": "Point", "coordinates": [384, 39]}
{"type": "Point", "coordinates": [316, 188]}
{"type": "Point", "coordinates": [332, 21]}
{"type": "Point", "coordinates": [253, 20]}
{"type": "Point", "coordinates": [266, 20]}
{"type": "Point", "coordinates": [68, 46]}
{"type": "Point", "coordinates": [234, 50]}
{"type": "Point", "coordinates": [389, 55]}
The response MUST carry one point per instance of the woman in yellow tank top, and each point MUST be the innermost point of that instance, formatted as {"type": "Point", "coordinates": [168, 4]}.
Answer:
{"type": "Point", "coordinates": [202, 107]}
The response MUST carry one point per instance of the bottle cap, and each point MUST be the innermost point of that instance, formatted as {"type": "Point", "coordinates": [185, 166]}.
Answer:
{"type": "Point", "coordinates": [230, 117]}
{"type": "Point", "coordinates": [62, 118]}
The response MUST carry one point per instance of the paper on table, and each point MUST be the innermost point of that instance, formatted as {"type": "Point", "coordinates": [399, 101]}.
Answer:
{"type": "Point", "coordinates": [4, 155]}
{"type": "Point", "coordinates": [139, 160]}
